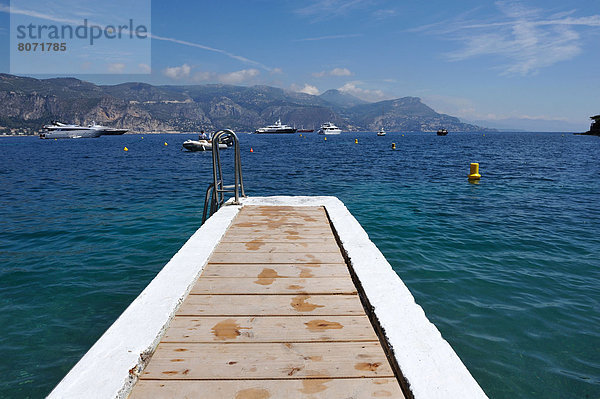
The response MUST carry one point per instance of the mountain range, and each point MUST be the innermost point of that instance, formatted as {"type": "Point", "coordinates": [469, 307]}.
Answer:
{"type": "Point", "coordinates": [27, 103]}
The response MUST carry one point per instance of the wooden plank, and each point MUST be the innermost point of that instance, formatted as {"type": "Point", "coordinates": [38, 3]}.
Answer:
{"type": "Point", "coordinates": [275, 305]}
{"type": "Point", "coordinates": [282, 209]}
{"type": "Point", "coordinates": [296, 216]}
{"type": "Point", "coordinates": [257, 245]}
{"type": "Point", "coordinates": [266, 283]}
{"type": "Point", "coordinates": [356, 388]}
{"type": "Point", "coordinates": [300, 216]}
{"type": "Point", "coordinates": [270, 329]}
{"type": "Point", "coordinates": [250, 257]}
{"type": "Point", "coordinates": [290, 230]}
{"type": "Point", "coordinates": [280, 225]}
{"type": "Point", "coordinates": [306, 270]}
{"type": "Point", "coordinates": [280, 236]}
{"type": "Point", "coordinates": [320, 220]}
{"type": "Point", "coordinates": [267, 360]}
{"type": "Point", "coordinates": [266, 236]}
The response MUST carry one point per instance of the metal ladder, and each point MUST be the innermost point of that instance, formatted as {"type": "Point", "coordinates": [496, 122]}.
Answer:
{"type": "Point", "coordinates": [215, 193]}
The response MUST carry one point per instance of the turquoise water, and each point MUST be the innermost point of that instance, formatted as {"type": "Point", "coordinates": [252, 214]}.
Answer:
{"type": "Point", "coordinates": [508, 269]}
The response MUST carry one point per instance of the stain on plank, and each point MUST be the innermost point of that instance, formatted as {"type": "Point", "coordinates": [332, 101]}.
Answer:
{"type": "Point", "coordinates": [300, 304]}
{"type": "Point", "coordinates": [227, 329]}
{"type": "Point", "coordinates": [321, 325]}
{"type": "Point", "coordinates": [267, 276]}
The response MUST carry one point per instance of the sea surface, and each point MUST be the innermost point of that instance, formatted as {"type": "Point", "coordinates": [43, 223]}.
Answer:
{"type": "Point", "coordinates": [507, 269]}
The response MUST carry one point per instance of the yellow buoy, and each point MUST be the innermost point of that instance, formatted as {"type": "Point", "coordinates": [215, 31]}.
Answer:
{"type": "Point", "coordinates": [402, 135]}
{"type": "Point", "coordinates": [393, 146]}
{"type": "Point", "coordinates": [325, 138]}
{"type": "Point", "coordinates": [355, 141]}
{"type": "Point", "coordinates": [142, 137]}
{"type": "Point", "coordinates": [166, 143]}
{"type": "Point", "coordinates": [474, 173]}
{"type": "Point", "coordinates": [125, 149]}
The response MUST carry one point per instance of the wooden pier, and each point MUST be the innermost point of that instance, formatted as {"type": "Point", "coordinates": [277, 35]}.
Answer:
{"type": "Point", "coordinates": [274, 314]}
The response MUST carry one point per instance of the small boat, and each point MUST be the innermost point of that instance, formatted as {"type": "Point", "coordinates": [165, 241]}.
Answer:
{"type": "Point", "coordinates": [302, 130]}
{"type": "Point", "coordinates": [201, 145]}
{"type": "Point", "coordinates": [442, 132]}
{"type": "Point", "coordinates": [381, 132]}
{"type": "Point", "coordinates": [329, 128]}
{"type": "Point", "coordinates": [278, 127]}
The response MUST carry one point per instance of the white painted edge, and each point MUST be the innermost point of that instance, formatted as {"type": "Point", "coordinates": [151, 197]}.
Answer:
{"type": "Point", "coordinates": [110, 368]}
{"type": "Point", "coordinates": [426, 360]}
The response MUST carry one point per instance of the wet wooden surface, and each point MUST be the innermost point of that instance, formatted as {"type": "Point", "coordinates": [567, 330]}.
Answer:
{"type": "Point", "coordinates": [275, 314]}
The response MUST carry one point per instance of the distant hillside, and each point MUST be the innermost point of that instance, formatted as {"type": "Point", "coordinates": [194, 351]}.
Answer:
{"type": "Point", "coordinates": [27, 104]}
{"type": "Point", "coordinates": [341, 99]}
{"type": "Point", "coordinates": [534, 125]}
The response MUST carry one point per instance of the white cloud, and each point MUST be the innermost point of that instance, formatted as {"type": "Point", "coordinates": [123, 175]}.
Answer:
{"type": "Point", "coordinates": [202, 76]}
{"type": "Point", "coordinates": [527, 38]}
{"type": "Point", "coordinates": [145, 68]}
{"type": "Point", "coordinates": [307, 89]}
{"type": "Point", "coordinates": [178, 72]}
{"type": "Point", "coordinates": [340, 72]}
{"type": "Point", "coordinates": [235, 77]}
{"type": "Point", "coordinates": [333, 72]}
{"type": "Point", "coordinates": [238, 76]}
{"type": "Point", "coordinates": [116, 67]}
{"type": "Point", "coordinates": [364, 94]}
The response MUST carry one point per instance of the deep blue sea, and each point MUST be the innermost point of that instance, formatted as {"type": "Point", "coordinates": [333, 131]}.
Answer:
{"type": "Point", "coordinates": [507, 269]}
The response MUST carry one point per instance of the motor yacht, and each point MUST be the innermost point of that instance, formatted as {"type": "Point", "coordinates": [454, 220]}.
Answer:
{"type": "Point", "coordinates": [329, 128]}
{"type": "Point", "coordinates": [58, 130]}
{"type": "Point", "coordinates": [277, 127]}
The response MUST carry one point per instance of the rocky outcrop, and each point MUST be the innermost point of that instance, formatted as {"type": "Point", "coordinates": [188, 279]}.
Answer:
{"type": "Point", "coordinates": [594, 127]}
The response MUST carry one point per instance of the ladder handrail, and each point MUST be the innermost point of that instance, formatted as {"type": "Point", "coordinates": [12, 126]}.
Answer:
{"type": "Point", "coordinates": [216, 191]}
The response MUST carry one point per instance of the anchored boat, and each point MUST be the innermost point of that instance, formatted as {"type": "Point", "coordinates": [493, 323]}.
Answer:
{"type": "Point", "coordinates": [58, 130]}
{"type": "Point", "coordinates": [329, 128]}
{"type": "Point", "coordinates": [278, 127]}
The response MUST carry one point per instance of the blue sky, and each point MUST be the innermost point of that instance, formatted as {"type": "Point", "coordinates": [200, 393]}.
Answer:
{"type": "Point", "coordinates": [477, 60]}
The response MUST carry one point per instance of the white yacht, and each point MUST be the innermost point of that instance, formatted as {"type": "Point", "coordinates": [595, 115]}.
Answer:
{"type": "Point", "coordinates": [329, 128]}
{"type": "Point", "coordinates": [278, 127]}
{"type": "Point", "coordinates": [381, 132]}
{"type": "Point", "coordinates": [58, 130]}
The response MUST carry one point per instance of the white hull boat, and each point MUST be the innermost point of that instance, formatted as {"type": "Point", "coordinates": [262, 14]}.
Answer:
{"type": "Point", "coordinates": [278, 128]}
{"type": "Point", "coordinates": [201, 145]}
{"type": "Point", "coordinates": [58, 130]}
{"type": "Point", "coordinates": [329, 128]}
